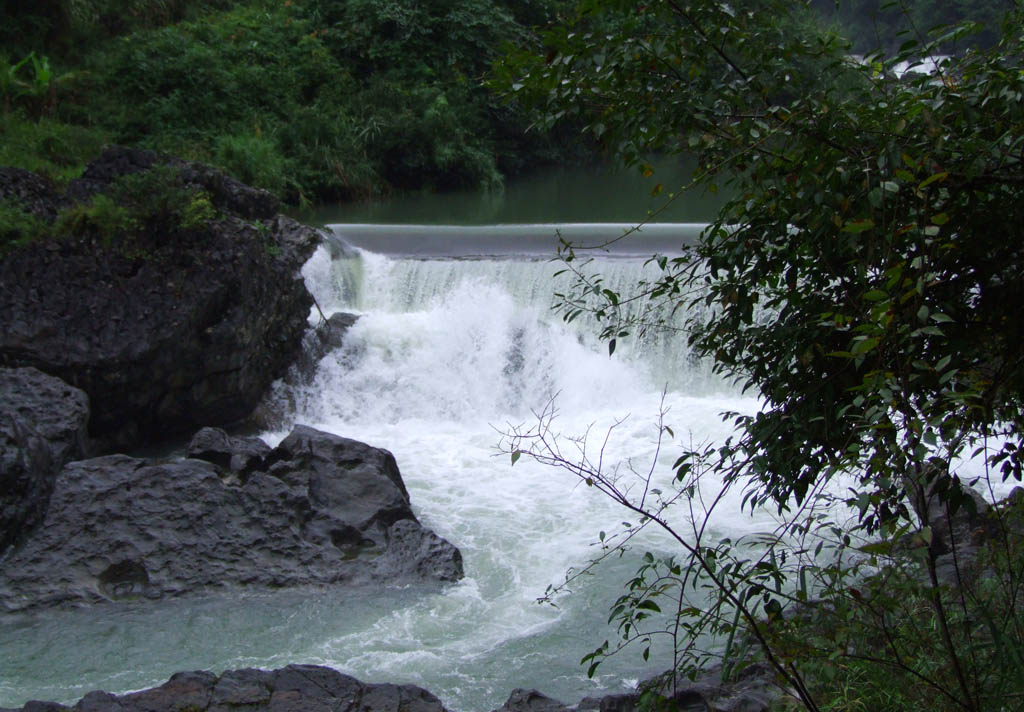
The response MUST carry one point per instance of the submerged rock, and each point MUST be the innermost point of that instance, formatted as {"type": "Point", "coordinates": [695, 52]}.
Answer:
{"type": "Point", "coordinates": [316, 510]}
{"type": "Point", "coordinates": [42, 425]}
{"type": "Point", "coordinates": [296, 688]}
{"type": "Point", "coordinates": [166, 331]}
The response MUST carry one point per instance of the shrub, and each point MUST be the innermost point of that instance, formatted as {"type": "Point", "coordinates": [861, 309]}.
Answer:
{"type": "Point", "coordinates": [18, 226]}
{"type": "Point", "coordinates": [160, 202]}
{"type": "Point", "coordinates": [142, 207]}
{"type": "Point", "coordinates": [253, 159]}
{"type": "Point", "coordinates": [101, 216]}
{"type": "Point", "coordinates": [51, 148]}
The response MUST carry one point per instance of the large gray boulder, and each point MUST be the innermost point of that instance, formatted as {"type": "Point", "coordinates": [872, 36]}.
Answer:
{"type": "Point", "coordinates": [164, 332]}
{"type": "Point", "coordinates": [42, 425]}
{"type": "Point", "coordinates": [296, 688]}
{"type": "Point", "coordinates": [317, 510]}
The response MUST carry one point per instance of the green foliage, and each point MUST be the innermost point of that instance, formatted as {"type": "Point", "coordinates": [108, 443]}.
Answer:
{"type": "Point", "coordinates": [51, 148]}
{"type": "Point", "coordinates": [320, 101]}
{"type": "Point", "coordinates": [100, 216]}
{"type": "Point", "coordinates": [68, 27]}
{"type": "Point", "coordinates": [10, 82]}
{"type": "Point", "coordinates": [867, 253]}
{"type": "Point", "coordinates": [140, 209]}
{"type": "Point", "coordinates": [159, 202]}
{"type": "Point", "coordinates": [316, 101]}
{"type": "Point", "coordinates": [864, 282]}
{"type": "Point", "coordinates": [18, 226]}
{"type": "Point", "coordinates": [871, 638]}
{"type": "Point", "coordinates": [36, 91]}
{"type": "Point", "coordinates": [253, 159]}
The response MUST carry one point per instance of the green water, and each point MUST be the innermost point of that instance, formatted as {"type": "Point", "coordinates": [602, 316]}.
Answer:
{"type": "Point", "coordinates": [584, 194]}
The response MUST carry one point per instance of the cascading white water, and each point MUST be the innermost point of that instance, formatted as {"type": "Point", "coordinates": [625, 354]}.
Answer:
{"type": "Point", "coordinates": [446, 355]}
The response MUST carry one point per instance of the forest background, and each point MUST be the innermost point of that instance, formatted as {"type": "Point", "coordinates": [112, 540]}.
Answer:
{"type": "Point", "coordinates": [315, 100]}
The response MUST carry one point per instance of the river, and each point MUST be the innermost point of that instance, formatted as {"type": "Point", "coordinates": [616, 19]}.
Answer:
{"type": "Point", "coordinates": [457, 343]}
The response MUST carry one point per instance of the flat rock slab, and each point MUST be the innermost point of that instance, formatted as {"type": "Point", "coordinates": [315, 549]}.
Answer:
{"type": "Point", "coordinates": [319, 510]}
{"type": "Point", "coordinates": [296, 688]}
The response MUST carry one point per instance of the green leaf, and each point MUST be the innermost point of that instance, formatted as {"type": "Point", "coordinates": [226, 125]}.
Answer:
{"type": "Point", "coordinates": [934, 178]}
{"type": "Point", "coordinates": [516, 454]}
{"type": "Point", "coordinates": [858, 226]}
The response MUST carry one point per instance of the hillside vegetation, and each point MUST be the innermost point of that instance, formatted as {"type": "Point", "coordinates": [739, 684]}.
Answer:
{"type": "Point", "coordinates": [315, 100]}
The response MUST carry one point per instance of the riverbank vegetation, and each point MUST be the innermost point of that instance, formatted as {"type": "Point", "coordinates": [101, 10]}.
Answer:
{"type": "Point", "coordinates": [315, 100]}
{"type": "Point", "coordinates": [864, 281]}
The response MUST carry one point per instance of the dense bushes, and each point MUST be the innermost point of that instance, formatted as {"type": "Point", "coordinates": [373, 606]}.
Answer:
{"type": "Point", "coordinates": [149, 205]}
{"type": "Point", "coordinates": [52, 148]}
{"type": "Point", "coordinates": [316, 101]}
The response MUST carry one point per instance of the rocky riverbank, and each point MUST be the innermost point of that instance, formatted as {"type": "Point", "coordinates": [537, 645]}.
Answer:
{"type": "Point", "coordinates": [157, 297]}
{"type": "Point", "coordinates": [308, 688]}
{"type": "Point", "coordinates": [119, 341]}
{"type": "Point", "coordinates": [166, 291]}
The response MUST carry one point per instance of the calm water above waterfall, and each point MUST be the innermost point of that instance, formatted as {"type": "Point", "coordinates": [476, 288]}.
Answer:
{"type": "Point", "coordinates": [448, 353]}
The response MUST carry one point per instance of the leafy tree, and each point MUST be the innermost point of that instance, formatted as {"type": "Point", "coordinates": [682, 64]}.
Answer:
{"type": "Point", "coordinates": [865, 279]}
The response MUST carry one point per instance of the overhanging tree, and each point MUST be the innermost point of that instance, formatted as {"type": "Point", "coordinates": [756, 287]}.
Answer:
{"type": "Point", "coordinates": [866, 279]}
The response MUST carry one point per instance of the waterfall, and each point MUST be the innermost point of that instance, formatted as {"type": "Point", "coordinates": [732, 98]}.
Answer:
{"type": "Point", "coordinates": [449, 351]}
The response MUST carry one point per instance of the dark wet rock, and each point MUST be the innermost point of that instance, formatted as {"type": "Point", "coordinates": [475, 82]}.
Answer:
{"type": "Point", "coordinates": [296, 688]}
{"type": "Point", "coordinates": [42, 425]}
{"type": "Point", "coordinates": [623, 702]}
{"type": "Point", "coordinates": [319, 510]}
{"type": "Point", "coordinates": [753, 689]}
{"type": "Point", "coordinates": [230, 194]}
{"type": "Point", "coordinates": [960, 520]}
{"type": "Point", "coordinates": [34, 193]}
{"type": "Point", "coordinates": [238, 455]}
{"type": "Point", "coordinates": [327, 336]}
{"type": "Point", "coordinates": [170, 333]}
{"type": "Point", "coordinates": [115, 162]}
{"type": "Point", "coordinates": [522, 700]}
{"type": "Point", "coordinates": [332, 333]}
